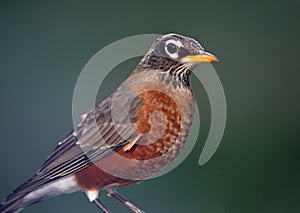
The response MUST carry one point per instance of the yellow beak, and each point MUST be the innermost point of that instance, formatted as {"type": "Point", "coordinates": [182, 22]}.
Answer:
{"type": "Point", "coordinates": [203, 57]}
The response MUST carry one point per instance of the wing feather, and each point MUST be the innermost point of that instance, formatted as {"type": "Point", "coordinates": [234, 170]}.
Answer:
{"type": "Point", "coordinates": [95, 138]}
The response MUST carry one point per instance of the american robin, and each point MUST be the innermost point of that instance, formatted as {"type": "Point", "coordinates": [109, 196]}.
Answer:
{"type": "Point", "coordinates": [133, 134]}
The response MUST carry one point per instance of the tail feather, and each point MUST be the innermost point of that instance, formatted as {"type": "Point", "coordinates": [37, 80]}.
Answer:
{"type": "Point", "coordinates": [18, 200]}
{"type": "Point", "coordinates": [13, 205]}
{"type": "Point", "coordinates": [34, 190]}
{"type": "Point", "coordinates": [15, 202]}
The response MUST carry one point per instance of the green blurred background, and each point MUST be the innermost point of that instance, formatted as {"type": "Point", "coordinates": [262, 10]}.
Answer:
{"type": "Point", "coordinates": [45, 44]}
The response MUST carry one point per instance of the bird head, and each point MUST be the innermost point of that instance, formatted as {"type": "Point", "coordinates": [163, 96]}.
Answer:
{"type": "Point", "coordinates": [176, 55]}
{"type": "Point", "coordinates": [173, 49]}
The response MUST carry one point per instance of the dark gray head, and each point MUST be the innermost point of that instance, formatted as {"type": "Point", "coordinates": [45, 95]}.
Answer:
{"type": "Point", "coordinates": [176, 55]}
{"type": "Point", "coordinates": [174, 48]}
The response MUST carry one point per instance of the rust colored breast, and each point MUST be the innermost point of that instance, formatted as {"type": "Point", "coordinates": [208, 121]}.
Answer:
{"type": "Point", "coordinates": [158, 122]}
{"type": "Point", "coordinates": [162, 122]}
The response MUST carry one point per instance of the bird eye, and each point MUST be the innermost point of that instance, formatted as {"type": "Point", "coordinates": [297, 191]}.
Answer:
{"type": "Point", "coordinates": [171, 48]}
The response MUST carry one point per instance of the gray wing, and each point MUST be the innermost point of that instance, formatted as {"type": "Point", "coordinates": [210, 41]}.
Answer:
{"type": "Point", "coordinates": [95, 138]}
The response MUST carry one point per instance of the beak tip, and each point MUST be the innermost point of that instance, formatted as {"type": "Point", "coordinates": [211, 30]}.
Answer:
{"type": "Point", "coordinates": [212, 58]}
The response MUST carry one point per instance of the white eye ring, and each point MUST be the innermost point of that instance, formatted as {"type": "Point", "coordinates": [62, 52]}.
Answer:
{"type": "Point", "coordinates": [177, 44]}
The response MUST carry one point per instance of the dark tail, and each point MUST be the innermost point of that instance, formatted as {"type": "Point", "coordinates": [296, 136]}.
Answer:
{"type": "Point", "coordinates": [12, 205]}
{"type": "Point", "coordinates": [17, 201]}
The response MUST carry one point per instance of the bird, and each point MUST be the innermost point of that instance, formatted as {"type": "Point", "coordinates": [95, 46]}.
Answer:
{"type": "Point", "coordinates": [130, 136]}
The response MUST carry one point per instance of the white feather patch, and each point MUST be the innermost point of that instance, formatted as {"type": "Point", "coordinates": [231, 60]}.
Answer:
{"type": "Point", "coordinates": [92, 195]}
{"type": "Point", "coordinates": [63, 186]}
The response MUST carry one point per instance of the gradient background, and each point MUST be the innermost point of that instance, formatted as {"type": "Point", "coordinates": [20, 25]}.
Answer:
{"type": "Point", "coordinates": [44, 46]}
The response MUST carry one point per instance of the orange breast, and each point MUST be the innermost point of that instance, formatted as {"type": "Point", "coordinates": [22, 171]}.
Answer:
{"type": "Point", "coordinates": [159, 124]}
{"type": "Point", "coordinates": [163, 129]}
